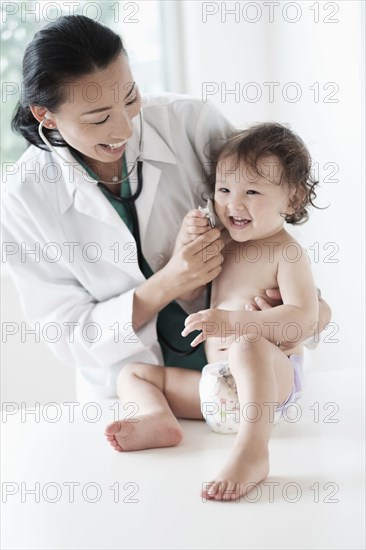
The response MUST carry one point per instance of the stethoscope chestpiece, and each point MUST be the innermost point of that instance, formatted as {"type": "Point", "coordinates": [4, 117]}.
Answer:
{"type": "Point", "coordinates": [209, 212]}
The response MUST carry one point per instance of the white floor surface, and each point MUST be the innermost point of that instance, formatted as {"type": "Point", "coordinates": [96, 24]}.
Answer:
{"type": "Point", "coordinates": [87, 496]}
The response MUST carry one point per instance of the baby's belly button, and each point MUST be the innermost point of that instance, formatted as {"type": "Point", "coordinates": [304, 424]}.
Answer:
{"type": "Point", "coordinates": [216, 353]}
{"type": "Point", "coordinates": [216, 346]}
{"type": "Point", "coordinates": [217, 349]}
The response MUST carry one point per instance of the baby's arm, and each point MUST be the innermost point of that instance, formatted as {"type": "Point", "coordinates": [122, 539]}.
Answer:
{"type": "Point", "coordinates": [273, 299]}
{"type": "Point", "coordinates": [291, 322]}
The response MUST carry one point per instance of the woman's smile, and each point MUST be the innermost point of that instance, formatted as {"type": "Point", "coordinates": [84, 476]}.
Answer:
{"type": "Point", "coordinates": [114, 149]}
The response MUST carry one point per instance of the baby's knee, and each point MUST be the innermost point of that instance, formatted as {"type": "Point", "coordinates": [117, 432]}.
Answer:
{"type": "Point", "coordinates": [139, 370]}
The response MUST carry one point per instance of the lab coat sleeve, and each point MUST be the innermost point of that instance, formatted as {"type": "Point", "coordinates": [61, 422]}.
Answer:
{"type": "Point", "coordinates": [80, 330]}
{"type": "Point", "coordinates": [211, 128]}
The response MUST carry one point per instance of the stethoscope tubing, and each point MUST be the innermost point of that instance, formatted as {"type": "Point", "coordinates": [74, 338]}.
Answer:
{"type": "Point", "coordinates": [130, 203]}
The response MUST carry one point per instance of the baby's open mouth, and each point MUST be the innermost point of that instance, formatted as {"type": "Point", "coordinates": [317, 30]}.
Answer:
{"type": "Point", "coordinates": [239, 222]}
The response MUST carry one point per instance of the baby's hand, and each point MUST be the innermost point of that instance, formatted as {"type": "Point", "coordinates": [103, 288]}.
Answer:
{"type": "Point", "coordinates": [194, 224]}
{"type": "Point", "coordinates": [212, 322]}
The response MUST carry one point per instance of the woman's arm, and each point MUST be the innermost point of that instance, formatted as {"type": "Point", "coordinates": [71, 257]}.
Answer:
{"type": "Point", "coordinates": [186, 273]}
{"type": "Point", "coordinates": [66, 296]}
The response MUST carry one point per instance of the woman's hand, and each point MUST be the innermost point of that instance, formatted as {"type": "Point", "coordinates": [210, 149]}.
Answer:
{"type": "Point", "coordinates": [273, 298]}
{"type": "Point", "coordinates": [194, 224]}
{"type": "Point", "coordinates": [187, 272]}
{"type": "Point", "coordinates": [195, 264]}
{"type": "Point", "coordinates": [211, 322]}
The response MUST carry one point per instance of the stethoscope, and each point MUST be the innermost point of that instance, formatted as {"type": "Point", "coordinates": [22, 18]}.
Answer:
{"type": "Point", "coordinates": [126, 201]}
{"type": "Point", "coordinates": [137, 165]}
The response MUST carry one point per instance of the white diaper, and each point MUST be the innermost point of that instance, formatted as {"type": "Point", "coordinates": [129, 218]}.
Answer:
{"type": "Point", "coordinates": [219, 399]}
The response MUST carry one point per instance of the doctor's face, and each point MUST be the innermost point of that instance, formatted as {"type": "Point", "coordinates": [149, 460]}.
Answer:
{"type": "Point", "coordinates": [96, 118]}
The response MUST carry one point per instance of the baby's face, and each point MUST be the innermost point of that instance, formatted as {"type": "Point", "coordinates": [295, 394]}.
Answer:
{"type": "Point", "coordinates": [250, 205]}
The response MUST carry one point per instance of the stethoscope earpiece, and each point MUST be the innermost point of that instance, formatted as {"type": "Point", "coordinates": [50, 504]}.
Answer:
{"type": "Point", "coordinates": [45, 118]}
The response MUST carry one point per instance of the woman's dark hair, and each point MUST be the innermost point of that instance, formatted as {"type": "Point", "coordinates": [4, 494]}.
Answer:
{"type": "Point", "coordinates": [66, 49]}
{"type": "Point", "coordinates": [251, 145]}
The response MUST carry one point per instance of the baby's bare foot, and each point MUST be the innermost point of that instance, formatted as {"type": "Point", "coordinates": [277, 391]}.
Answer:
{"type": "Point", "coordinates": [242, 472]}
{"type": "Point", "coordinates": [144, 432]}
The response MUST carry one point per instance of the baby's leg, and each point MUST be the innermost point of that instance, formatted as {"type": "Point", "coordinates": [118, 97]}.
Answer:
{"type": "Point", "coordinates": [158, 394]}
{"type": "Point", "coordinates": [263, 374]}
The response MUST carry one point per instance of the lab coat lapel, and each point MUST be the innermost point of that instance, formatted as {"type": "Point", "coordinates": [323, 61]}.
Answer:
{"type": "Point", "coordinates": [156, 152]}
{"type": "Point", "coordinates": [89, 200]}
{"type": "Point", "coordinates": [82, 191]}
{"type": "Point", "coordinates": [151, 177]}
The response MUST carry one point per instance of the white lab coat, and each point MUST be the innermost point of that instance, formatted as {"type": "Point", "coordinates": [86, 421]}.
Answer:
{"type": "Point", "coordinates": [81, 293]}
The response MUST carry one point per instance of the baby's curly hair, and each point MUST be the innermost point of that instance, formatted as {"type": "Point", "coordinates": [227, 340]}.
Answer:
{"type": "Point", "coordinates": [251, 145]}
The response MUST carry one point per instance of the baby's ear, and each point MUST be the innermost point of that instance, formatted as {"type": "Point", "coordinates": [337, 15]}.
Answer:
{"type": "Point", "coordinates": [297, 200]}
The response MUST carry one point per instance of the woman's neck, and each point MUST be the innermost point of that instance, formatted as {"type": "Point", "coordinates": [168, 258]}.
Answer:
{"type": "Point", "coordinates": [106, 172]}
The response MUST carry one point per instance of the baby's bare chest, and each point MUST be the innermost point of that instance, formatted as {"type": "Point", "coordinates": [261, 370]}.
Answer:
{"type": "Point", "coordinates": [247, 272]}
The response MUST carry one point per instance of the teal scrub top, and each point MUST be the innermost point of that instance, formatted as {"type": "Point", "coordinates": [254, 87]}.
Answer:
{"type": "Point", "coordinates": [171, 318]}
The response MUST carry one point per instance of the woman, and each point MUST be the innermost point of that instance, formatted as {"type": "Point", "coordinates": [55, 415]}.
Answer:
{"type": "Point", "coordinates": [70, 242]}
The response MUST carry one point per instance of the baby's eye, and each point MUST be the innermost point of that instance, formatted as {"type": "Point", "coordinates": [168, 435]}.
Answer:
{"type": "Point", "coordinates": [252, 192]}
{"type": "Point", "coordinates": [223, 190]}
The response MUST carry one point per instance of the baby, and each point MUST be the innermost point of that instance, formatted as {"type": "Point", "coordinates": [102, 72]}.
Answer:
{"type": "Point", "coordinates": [261, 180]}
